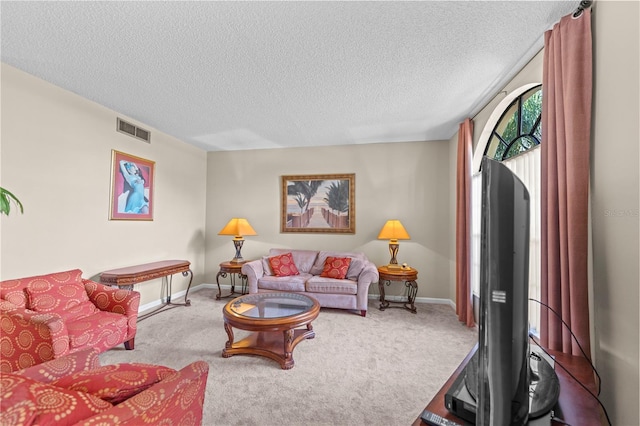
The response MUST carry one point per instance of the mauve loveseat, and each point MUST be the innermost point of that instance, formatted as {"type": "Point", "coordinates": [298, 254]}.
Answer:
{"type": "Point", "coordinates": [350, 293]}
{"type": "Point", "coordinates": [48, 316]}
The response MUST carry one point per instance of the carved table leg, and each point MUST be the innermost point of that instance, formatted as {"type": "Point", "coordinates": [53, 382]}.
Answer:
{"type": "Point", "coordinates": [288, 363]}
{"type": "Point", "coordinates": [229, 343]}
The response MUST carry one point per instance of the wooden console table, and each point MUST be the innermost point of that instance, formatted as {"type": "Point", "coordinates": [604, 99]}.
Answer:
{"type": "Point", "coordinates": [127, 277]}
{"type": "Point", "coordinates": [575, 406]}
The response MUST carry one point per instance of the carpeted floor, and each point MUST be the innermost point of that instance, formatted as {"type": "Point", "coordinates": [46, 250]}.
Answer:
{"type": "Point", "coordinates": [377, 370]}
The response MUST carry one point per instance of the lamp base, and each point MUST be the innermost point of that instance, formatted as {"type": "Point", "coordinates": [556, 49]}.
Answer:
{"type": "Point", "coordinates": [394, 267]}
{"type": "Point", "coordinates": [237, 243]}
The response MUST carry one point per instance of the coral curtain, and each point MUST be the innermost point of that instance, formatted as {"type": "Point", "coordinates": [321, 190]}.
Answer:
{"type": "Point", "coordinates": [464, 302]}
{"type": "Point", "coordinates": [566, 124]}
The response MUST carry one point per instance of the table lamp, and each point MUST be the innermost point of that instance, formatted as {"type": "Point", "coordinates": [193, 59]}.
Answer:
{"type": "Point", "coordinates": [237, 227]}
{"type": "Point", "coordinates": [393, 231]}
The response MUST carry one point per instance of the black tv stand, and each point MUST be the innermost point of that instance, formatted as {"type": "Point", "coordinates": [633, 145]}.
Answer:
{"type": "Point", "coordinates": [461, 398]}
{"type": "Point", "coordinates": [575, 406]}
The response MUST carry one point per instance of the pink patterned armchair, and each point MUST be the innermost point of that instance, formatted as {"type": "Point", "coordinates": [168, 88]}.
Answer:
{"type": "Point", "coordinates": [48, 316]}
{"type": "Point", "coordinates": [74, 389]}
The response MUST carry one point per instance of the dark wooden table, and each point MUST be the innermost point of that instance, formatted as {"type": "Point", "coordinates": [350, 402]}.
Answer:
{"type": "Point", "coordinates": [279, 321]}
{"type": "Point", "coordinates": [165, 269]}
{"type": "Point", "coordinates": [575, 406]}
{"type": "Point", "coordinates": [408, 276]}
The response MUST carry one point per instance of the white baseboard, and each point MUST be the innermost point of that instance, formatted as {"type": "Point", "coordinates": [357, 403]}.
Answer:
{"type": "Point", "coordinates": [372, 296]}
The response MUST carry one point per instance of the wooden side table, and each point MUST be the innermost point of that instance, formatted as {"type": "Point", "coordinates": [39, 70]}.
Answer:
{"type": "Point", "coordinates": [233, 270]}
{"type": "Point", "coordinates": [409, 276]}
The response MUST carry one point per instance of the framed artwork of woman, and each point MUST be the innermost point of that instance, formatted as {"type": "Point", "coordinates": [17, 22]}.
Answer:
{"type": "Point", "coordinates": [131, 187]}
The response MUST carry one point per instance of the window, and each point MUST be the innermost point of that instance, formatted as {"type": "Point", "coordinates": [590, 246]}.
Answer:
{"type": "Point", "coordinates": [510, 135]}
{"type": "Point", "coordinates": [519, 128]}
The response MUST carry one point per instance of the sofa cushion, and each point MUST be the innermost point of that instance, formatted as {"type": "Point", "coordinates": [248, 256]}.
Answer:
{"type": "Point", "coordinates": [294, 283]}
{"type": "Point", "coordinates": [53, 405]}
{"type": "Point", "coordinates": [69, 300]}
{"type": "Point", "coordinates": [14, 290]}
{"type": "Point", "coordinates": [283, 265]}
{"type": "Point", "coordinates": [304, 259]}
{"type": "Point", "coordinates": [115, 383]}
{"type": "Point", "coordinates": [336, 267]}
{"type": "Point", "coordinates": [318, 266]}
{"type": "Point", "coordinates": [266, 268]}
{"type": "Point", "coordinates": [17, 405]}
{"type": "Point", "coordinates": [355, 268]}
{"type": "Point", "coordinates": [102, 330]}
{"type": "Point", "coordinates": [317, 284]}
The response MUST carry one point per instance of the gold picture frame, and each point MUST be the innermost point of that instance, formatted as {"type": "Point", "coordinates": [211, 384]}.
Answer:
{"type": "Point", "coordinates": [318, 203]}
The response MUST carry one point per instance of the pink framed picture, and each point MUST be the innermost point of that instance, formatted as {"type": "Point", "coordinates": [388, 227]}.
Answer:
{"type": "Point", "coordinates": [131, 187]}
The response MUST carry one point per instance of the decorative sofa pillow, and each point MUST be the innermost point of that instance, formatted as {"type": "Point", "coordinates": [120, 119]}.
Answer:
{"type": "Point", "coordinates": [355, 267]}
{"type": "Point", "coordinates": [70, 300]}
{"type": "Point", "coordinates": [283, 265]}
{"type": "Point", "coordinates": [53, 405]}
{"type": "Point", "coordinates": [14, 290]}
{"type": "Point", "coordinates": [115, 383]}
{"type": "Point", "coordinates": [336, 267]}
{"type": "Point", "coordinates": [266, 267]}
{"type": "Point", "coordinates": [318, 266]}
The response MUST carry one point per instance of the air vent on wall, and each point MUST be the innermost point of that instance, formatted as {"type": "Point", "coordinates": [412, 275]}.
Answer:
{"type": "Point", "coordinates": [135, 131]}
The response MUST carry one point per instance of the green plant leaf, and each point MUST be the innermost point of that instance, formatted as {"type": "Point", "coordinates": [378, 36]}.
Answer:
{"type": "Point", "coordinates": [5, 201]}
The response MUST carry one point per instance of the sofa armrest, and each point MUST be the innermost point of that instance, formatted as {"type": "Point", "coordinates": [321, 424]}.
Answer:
{"type": "Point", "coordinates": [368, 275]}
{"type": "Point", "coordinates": [30, 338]}
{"type": "Point", "coordinates": [85, 359]}
{"type": "Point", "coordinates": [116, 300]}
{"type": "Point", "coordinates": [177, 399]}
{"type": "Point", "coordinates": [253, 271]}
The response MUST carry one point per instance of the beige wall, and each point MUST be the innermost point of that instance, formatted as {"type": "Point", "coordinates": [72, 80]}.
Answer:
{"type": "Point", "coordinates": [407, 181]}
{"type": "Point", "coordinates": [614, 198]}
{"type": "Point", "coordinates": [56, 157]}
{"type": "Point", "coordinates": [614, 205]}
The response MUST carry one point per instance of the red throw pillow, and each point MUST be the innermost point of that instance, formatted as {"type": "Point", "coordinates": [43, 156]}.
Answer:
{"type": "Point", "coordinates": [283, 266]}
{"type": "Point", "coordinates": [336, 267]}
{"type": "Point", "coordinates": [68, 300]}
{"type": "Point", "coordinates": [115, 383]}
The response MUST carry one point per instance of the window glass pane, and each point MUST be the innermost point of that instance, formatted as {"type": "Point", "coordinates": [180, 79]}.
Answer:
{"type": "Point", "coordinates": [492, 146]}
{"type": "Point", "coordinates": [531, 109]}
{"type": "Point", "coordinates": [507, 128]}
{"type": "Point", "coordinates": [538, 131]}
{"type": "Point", "coordinates": [521, 144]}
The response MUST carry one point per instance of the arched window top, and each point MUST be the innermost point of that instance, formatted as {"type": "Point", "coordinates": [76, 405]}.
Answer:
{"type": "Point", "coordinates": [519, 127]}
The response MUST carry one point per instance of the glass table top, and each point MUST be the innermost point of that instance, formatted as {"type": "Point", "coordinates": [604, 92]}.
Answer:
{"type": "Point", "coordinates": [270, 305]}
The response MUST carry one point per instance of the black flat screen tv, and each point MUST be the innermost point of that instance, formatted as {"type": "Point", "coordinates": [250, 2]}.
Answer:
{"type": "Point", "coordinates": [508, 385]}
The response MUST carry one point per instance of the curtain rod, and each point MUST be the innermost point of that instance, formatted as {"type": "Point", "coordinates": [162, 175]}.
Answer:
{"type": "Point", "coordinates": [584, 4]}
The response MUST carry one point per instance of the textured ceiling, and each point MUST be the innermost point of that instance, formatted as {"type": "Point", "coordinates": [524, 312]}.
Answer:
{"type": "Point", "coordinates": [252, 75]}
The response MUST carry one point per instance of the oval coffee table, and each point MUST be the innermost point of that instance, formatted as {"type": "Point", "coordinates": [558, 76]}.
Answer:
{"type": "Point", "coordinates": [275, 319]}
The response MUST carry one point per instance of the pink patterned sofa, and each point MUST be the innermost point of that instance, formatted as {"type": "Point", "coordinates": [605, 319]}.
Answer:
{"type": "Point", "coordinates": [74, 389]}
{"type": "Point", "coordinates": [49, 316]}
{"type": "Point", "coordinates": [344, 287]}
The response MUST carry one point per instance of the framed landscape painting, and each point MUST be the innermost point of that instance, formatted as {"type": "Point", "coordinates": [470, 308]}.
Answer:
{"type": "Point", "coordinates": [131, 187]}
{"type": "Point", "coordinates": [318, 204]}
